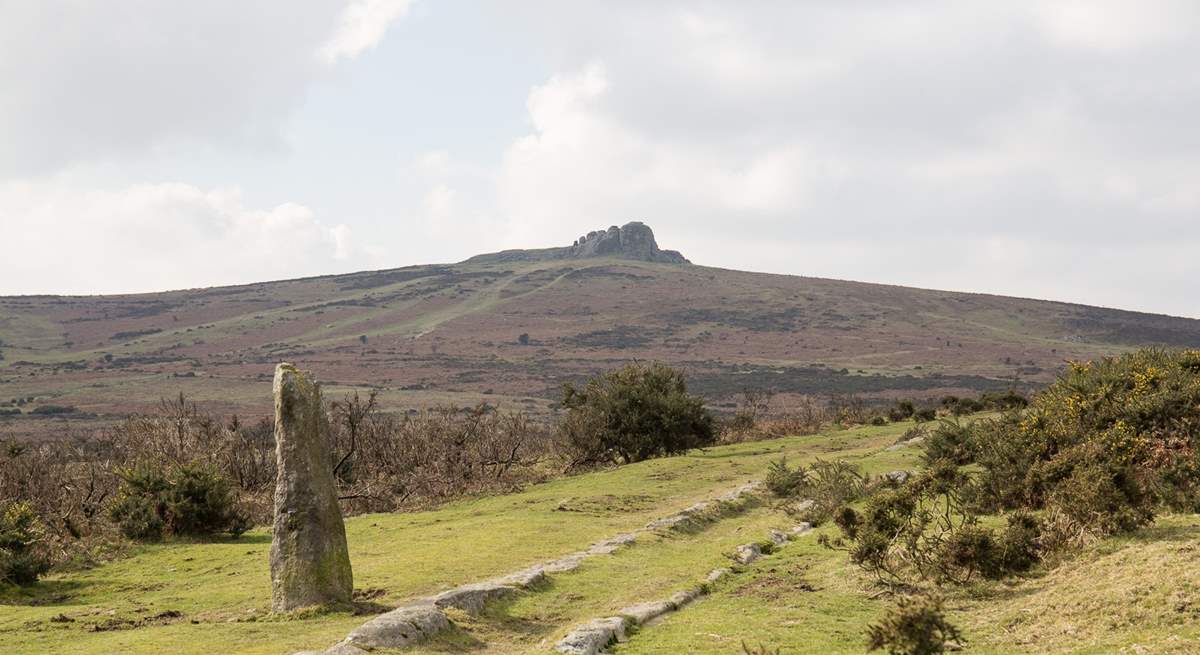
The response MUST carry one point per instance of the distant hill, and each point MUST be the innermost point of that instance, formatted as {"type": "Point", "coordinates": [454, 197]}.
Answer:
{"type": "Point", "coordinates": [511, 327]}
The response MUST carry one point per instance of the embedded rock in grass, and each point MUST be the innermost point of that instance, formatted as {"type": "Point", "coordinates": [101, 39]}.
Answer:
{"type": "Point", "coordinates": [310, 563]}
{"type": "Point", "coordinates": [400, 627]}
{"type": "Point", "coordinates": [803, 528]}
{"type": "Point", "coordinates": [643, 612]}
{"type": "Point", "coordinates": [473, 597]}
{"type": "Point", "coordinates": [736, 494]}
{"type": "Point", "coordinates": [778, 538]}
{"type": "Point", "coordinates": [748, 553]}
{"type": "Point", "coordinates": [593, 636]}
{"type": "Point", "coordinates": [610, 545]}
{"type": "Point", "coordinates": [566, 562]}
{"type": "Point", "coordinates": [681, 598]}
{"type": "Point", "coordinates": [899, 477]}
{"type": "Point", "coordinates": [525, 578]}
{"type": "Point", "coordinates": [716, 574]}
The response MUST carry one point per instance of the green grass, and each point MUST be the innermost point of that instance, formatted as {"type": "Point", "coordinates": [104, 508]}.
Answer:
{"type": "Point", "coordinates": [222, 590]}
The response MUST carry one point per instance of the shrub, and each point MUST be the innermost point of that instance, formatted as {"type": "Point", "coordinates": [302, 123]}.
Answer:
{"type": "Point", "coordinates": [1020, 542]}
{"type": "Point", "coordinates": [783, 481]}
{"type": "Point", "coordinates": [22, 556]}
{"type": "Point", "coordinates": [1003, 401]}
{"type": "Point", "coordinates": [878, 420]}
{"type": "Point", "coordinates": [951, 440]}
{"type": "Point", "coordinates": [823, 487]}
{"type": "Point", "coordinates": [967, 550]}
{"type": "Point", "coordinates": [1103, 445]}
{"type": "Point", "coordinates": [635, 413]}
{"type": "Point", "coordinates": [200, 503]}
{"type": "Point", "coordinates": [139, 510]}
{"type": "Point", "coordinates": [192, 501]}
{"type": "Point", "coordinates": [901, 532]}
{"type": "Point", "coordinates": [916, 625]}
{"type": "Point", "coordinates": [902, 411]}
{"type": "Point", "coordinates": [966, 406]}
{"type": "Point", "coordinates": [925, 415]}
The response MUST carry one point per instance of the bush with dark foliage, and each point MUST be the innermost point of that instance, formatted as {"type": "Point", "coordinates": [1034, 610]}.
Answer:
{"type": "Point", "coordinates": [635, 413]}
{"type": "Point", "coordinates": [191, 501]}
{"type": "Point", "coordinates": [916, 625]}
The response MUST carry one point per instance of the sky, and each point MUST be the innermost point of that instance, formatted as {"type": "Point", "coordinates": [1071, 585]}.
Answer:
{"type": "Point", "coordinates": [1041, 148]}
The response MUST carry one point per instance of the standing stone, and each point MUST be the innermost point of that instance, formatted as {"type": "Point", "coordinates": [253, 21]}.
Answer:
{"type": "Point", "coordinates": [310, 564]}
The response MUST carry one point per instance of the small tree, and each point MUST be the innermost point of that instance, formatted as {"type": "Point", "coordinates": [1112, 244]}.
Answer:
{"type": "Point", "coordinates": [635, 413]}
{"type": "Point", "coordinates": [523, 339]}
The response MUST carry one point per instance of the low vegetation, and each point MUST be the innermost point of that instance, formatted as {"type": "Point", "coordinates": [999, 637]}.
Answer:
{"type": "Point", "coordinates": [1098, 453]}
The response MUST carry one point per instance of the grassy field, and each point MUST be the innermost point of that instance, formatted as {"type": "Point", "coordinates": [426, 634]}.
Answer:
{"type": "Point", "coordinates": [214, 597]}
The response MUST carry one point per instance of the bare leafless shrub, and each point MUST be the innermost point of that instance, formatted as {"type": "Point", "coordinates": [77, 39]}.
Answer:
{"type": "Point", "coordinates": [66, 483]}
{"type": "Point", "coordinates": [759, 416]}
{"type": "Point", "coordinates": [434, 455]}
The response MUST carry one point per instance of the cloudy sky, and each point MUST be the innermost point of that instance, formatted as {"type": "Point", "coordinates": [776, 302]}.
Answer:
{"type": "Point", "coordinates": [1043, 148]}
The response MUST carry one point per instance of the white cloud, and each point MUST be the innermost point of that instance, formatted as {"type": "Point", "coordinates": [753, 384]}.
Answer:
{"type": "Point", "coordinates": [146, 237]}
{"type": "Point", "coordinates": [768, 137]}
{"type": "Point", "coordinates": [361, 27]}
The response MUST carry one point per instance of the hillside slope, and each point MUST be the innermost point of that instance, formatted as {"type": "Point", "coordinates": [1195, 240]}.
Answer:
{"type": "Point", "coordinates": [511, 328]}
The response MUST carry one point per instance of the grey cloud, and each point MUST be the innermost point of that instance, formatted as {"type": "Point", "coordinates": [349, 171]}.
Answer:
{"type": "Point", "coordinates": [87, 80]}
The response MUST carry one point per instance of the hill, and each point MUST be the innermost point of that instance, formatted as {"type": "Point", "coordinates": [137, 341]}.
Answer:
{"type": "Point", "coordinates": [510, 327]}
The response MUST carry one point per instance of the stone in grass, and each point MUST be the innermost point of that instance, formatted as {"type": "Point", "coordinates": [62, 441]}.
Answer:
{"type": "Point", "coordinates": [310, 563]}
{"type": "Point", "coordinates": [644, 612]}
{"type": "Point", "coordinates": [400, 627]}
{"type": "Point", "coordinates": [716, 574]}
{"type": "Point", "coordinates": [593, 636]}
{"type": "Point", "coordinates": [747, 553]}
{"type": "Point", "coordinates": [472, 598]}
{"type": "Point", "coordinates": [681, 598]}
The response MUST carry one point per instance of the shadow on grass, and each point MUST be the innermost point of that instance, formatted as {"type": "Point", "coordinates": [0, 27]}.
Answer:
{"type": "Point", "coordinates": [42, 594]}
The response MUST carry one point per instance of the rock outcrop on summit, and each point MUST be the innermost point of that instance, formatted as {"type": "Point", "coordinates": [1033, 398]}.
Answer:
{"type": "Point", "coordinates": [634, 240]}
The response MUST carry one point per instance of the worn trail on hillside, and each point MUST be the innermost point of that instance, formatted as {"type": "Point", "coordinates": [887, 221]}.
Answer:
{"type": "Point", "coordinates": [424, 618]}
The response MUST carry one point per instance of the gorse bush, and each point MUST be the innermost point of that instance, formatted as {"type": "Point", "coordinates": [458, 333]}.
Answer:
{"type": "Point", "coordinates": [915, 625]}
{"type": "Point", "coordinates": [924, 530]}
{"type": "Point", "coordinates": [1103, 446]}
{"type": "Point", "coordinates": [784, 481]}
{"type": "Point", "coordinates": [22, 548]}
{"type": "Point", "coordinates": [634, 413]}
{"type": "Point", "coordinates": [820, 488]}
{"type": "Point", "coordinates": [950, 440]}
{"type": "Point", "coordinates": [140, 508]}
{"type": "Point", "coordinates": [191, 501]}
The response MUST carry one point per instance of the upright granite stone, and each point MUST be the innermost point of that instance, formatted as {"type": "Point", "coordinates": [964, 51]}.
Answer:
{"type": "Point", "coordinates": [310, 564]}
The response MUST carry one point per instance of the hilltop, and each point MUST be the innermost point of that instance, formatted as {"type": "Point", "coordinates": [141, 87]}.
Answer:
{"type": "Point", "coordinates": [510, 328]}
